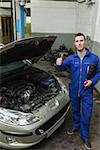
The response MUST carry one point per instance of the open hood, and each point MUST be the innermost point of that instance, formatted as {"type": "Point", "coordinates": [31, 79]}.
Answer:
{"type": "Point", "coordinates": [34, 47]}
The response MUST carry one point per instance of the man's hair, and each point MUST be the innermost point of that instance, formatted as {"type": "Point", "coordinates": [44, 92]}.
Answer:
{"type": "Point", "coordinates": [80, 34]}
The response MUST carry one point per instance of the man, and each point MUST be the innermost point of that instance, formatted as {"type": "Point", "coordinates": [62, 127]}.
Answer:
{"type": "Point", "coordinates": [84, 72]}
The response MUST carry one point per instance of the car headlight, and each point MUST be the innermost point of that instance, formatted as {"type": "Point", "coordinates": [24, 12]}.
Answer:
{"type": "Point", "coordinates": [13, 117]}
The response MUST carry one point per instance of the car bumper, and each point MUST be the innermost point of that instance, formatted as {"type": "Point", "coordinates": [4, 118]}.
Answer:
{"type": "Point", "coordinates": [33, 136]}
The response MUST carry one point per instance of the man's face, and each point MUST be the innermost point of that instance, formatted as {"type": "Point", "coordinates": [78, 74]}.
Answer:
{"type": "Point", "coordinates": [79, 43]}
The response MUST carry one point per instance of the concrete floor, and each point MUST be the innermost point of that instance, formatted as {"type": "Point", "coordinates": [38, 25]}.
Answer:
{"type": "Point", "coordinates": [59, 140]}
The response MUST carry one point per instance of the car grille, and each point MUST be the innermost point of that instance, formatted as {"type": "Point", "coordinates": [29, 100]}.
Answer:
{"type": "Point", "coordinates": [51, 122]}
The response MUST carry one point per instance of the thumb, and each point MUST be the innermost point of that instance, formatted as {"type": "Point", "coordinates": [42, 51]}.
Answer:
{"type": "Point", "coordinates": [61, 55]}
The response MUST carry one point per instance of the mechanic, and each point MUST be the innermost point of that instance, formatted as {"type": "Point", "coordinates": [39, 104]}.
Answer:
{"type": "Point", "coordinates": [84, 73]}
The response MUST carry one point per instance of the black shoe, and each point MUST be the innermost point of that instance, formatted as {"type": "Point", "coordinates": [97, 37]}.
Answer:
{"type": "Point", "coordinates": [72, 131]}
{"type": "Point", "coordinates": [87, 144]}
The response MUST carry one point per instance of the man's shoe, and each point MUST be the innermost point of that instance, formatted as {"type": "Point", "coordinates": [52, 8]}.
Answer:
{"type": "Point", "coordinates": [87, 144]}
{"type": "Point", "coordinates": [72, 131]}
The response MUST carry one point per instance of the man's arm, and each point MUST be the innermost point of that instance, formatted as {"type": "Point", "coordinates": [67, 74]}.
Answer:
{"type": "Point", "coordinates": [96, 78]}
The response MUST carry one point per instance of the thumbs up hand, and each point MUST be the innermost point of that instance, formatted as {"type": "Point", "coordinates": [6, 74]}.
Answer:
{"type": "Point", "coordinates": [59, 59]}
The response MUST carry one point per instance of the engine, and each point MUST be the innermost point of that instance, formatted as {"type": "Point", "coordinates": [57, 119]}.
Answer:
{"type": "Point", "coordinates": [25, 96]}
{"type": "Point", "coordinates": [28, 91]}
{"type": "Point", "coordinates": [18, 98]}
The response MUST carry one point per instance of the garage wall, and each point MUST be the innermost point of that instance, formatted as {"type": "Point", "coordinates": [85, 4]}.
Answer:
{"type": "Point", "coordinates": [63, 17]}
{"type": "Point", "coordinates": [53, 17]}
{"type": "Point", "coordinates": [87, 16]}
{"type": "Point", "coordinates": [89, 23]}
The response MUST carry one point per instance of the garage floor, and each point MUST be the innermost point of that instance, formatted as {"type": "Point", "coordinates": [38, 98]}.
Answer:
{"type": "Point", "coordinates": [59, 140]}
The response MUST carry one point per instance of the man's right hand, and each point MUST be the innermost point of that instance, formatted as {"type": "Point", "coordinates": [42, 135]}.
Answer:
{"type": "Point", "coordinates": [59, 60]}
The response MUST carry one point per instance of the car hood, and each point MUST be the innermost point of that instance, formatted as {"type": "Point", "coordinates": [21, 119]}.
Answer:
{"type": "Point", "coordinates": [31, 48]}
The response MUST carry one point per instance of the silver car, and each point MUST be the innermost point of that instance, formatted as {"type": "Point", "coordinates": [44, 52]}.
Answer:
{"type": "Point", "coordinates": [33, 103]}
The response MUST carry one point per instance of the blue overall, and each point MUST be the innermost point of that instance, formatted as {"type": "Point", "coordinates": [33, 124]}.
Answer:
{"type": "Point", "coordinates": [81, 98]}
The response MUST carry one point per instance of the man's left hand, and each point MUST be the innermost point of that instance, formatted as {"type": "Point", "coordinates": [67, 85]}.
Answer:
{"type": "Point", "coordinates": [87, 83]}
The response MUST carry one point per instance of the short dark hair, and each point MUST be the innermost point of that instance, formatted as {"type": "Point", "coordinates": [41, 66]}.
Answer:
{"type": "Point", "coordinates": [80, 34]}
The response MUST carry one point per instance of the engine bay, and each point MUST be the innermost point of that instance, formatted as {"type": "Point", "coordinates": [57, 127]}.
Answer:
{"type": "Point", "coordinates": [27, 90]}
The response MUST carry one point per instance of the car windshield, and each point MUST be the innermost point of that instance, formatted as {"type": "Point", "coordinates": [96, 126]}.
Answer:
{"type": "Point", "coordinates": [5, 69]}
